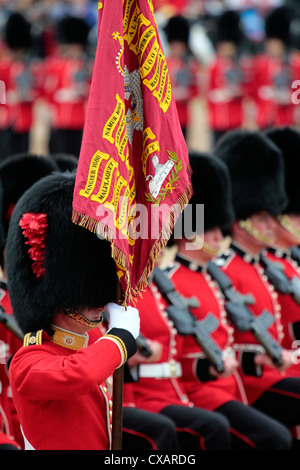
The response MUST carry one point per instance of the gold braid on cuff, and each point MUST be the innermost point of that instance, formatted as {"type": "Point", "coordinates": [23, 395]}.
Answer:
{"type": "Point", "coordinates": [121, 344]}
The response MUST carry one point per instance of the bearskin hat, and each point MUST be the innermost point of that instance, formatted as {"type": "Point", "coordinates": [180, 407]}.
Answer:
{"type": "Point", "coordinates": [17, 32]}
{"type": "Point", "coordinates": [65, 161]}
{"type": "Point", "coordinates": [177, 29]}
{"type": "Point", "coordinates": [17, 174]}
{"type": "Point", "coordinates": [278, 25]}
{"type": "Point", "coordinates": [211, 187]}
{"type": "Point", "coordinates": [288, 140]}
{"type": "Point", "coordinates": [257, 173]}
{"type": "Point", "coordinates": [72, 30]}
{"type": "Point", "coordinates": [229, 28]}
{"type": "Point", "coordinates": [52, 263]}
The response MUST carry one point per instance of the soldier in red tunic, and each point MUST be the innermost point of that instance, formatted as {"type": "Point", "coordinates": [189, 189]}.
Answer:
{"type": "Point", "coordinates": [20, 76]}
{"type": "Point", "coordinates": [17, 174]}
{"type": "Point", "coordinates": [275, 72]}
{"type": "Point", "coordinates": [214, 382]}
{"type": "Point", "coordinates": [287, 233]}
{"type": "Point", "coordinates": [141, 430]}
{"type": "Point", "coordinates": [5, 132]}
{"type": "Point", "coordinates": [258, 193]}
{"type": "Point", "coordinates": [183, 69]}
{"type": "Point", "coordinates": [66, 84]}
{"type": "Point", "coordinates": [227, 78]}
{"type": "Point", "coordinates": [157, 387]}
{"type": "Point", "coordinates": [60, 277]}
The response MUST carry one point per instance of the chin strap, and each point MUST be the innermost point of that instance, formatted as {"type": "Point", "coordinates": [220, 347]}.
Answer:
{"type": "Point", "coordinates": [72, 313]}
{"type": "Point", "coordinates": [249, 228]}
{"type": "Point", "coordinates": [288, 224]}
{"type": "Point", "coordinates": [200, 244]}
{"type": "Point", "coordinates": [211, 250]}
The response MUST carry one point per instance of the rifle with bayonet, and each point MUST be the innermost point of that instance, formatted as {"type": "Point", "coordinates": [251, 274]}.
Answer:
{"type": "Point", "coordinates": [241, 316]}
{"type": "Point", "coordinates": [275, 274]}
{"type": "Point", "coordinates": [186, 323]}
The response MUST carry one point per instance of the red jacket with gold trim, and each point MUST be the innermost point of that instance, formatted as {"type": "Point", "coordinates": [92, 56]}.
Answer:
{"type": "Point", "coordinates": [156, 392]}
{"type": "Point", "coordinates": [248, 277]}
{"type": "Point", "coordinates": [290, 309]}
{"type": "Point", "coordinates": [201, 388]}
{"type": "Point", "coordinates": [62, 395]}
{"type": "Point", "coordinates": [9, 344]}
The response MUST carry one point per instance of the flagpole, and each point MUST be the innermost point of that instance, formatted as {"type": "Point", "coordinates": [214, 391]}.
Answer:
{"type": "Point", "coordinates": [109, 167]}
{"type": "Point", "coordinates": [118, 382]}
{"type": "Point", "coordinates": [117, 417]}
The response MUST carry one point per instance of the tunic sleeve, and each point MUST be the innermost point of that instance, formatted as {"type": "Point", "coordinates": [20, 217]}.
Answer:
{"type": "Point", "coordinates": [38, 373]}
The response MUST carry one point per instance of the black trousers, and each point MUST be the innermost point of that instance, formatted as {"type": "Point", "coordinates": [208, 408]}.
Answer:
{"type": "Point", "coordinates": [5, 143]}
{"type": "Point", "coordinates": [65, 141]}
{"type": "Point", "coordinates": [199, 429]}
{"type": "Point", "coordinates": [143, 430]}
{"type": "Point", "coordinates": [282, 401]}
{"type": "Point", "coordinates": [19, 142]}
{"type": "Point", "coordinates": [8, 447]}
{"type": "Point", "coordinates": [12, 143]}
{"type": "Point", "coordinates": [252, 429]}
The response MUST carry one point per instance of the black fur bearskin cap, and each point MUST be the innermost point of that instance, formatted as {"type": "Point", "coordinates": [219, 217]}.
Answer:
{"type": "Point", "coordinates": [65, 161]}
{"type": "Point", "coordinates": [229, 28]}
{"type": "Point", "coordinates": [178, 29]}
{"type": "Point", "coordinates": [278, 24]}
{"type": "Point", "coordinates": [72, 30]}
{"type": "Point", "coordinates": [288, 140]}
{"type": "Point", "coordinates": [17, 32]}
{"type": "Point", "coordinates": [76, 269]}
{"type": "Point", "coordinates": [256, 168]}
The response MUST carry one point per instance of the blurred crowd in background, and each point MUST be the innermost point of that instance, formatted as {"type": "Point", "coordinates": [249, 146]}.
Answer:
{"type": "Point", "coordinates": [232, 63]}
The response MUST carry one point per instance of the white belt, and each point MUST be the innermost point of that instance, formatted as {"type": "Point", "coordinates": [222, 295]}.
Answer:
{"type": "Point", "coordinates": [256, 348]}
{"type": "Point", "coordinates": [162, 370]}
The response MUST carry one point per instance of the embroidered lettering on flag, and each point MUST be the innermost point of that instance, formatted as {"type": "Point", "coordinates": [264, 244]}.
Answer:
{"type": "Point", "coordinates": [133, 177]}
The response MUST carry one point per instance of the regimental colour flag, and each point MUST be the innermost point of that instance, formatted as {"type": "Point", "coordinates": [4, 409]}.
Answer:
{"type": "Point", "coordinates": [133, 176]}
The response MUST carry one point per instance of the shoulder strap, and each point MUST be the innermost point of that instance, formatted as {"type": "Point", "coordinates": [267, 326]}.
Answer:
{"type": "Point", "coordinates": [33, 339]}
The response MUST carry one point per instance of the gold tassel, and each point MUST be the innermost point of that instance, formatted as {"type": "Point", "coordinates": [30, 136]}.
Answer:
{"type": "Point", "coordinates": [120, 258]}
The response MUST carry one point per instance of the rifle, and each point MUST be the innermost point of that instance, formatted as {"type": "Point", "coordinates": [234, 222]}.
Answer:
{"type": "Point", "coordinates": [9, 322]}
{"type": "Point", "coordinates": [185, 322]}
{"type": "Point", "coordinates": [295, 254]}
{"type": "Point", "coordinates": [141, 341]}
{"type": "Point", "coordinates": [277, 277]}
{"type": "Point", "coordinates": [239, 314]}
{"type": "Point", "coordinates": [143, 346]}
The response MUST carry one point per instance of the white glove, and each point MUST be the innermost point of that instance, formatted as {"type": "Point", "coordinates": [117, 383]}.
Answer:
{"type": "Point", "coordinates": [128, 319]}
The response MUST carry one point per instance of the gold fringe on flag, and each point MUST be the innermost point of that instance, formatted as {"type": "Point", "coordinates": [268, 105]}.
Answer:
{"type": "Point", "coordinates": [132, 293]}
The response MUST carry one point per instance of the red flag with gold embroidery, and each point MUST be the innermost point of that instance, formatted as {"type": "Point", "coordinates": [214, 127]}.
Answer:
{"type": "Point", "coordinates": [133, 177]}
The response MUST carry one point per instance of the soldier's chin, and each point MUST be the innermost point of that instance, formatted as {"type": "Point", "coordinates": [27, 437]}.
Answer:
{"type": "Point", "coordinates": [211, 250]}
{"type": "Point", "coordinates": [197, 243]}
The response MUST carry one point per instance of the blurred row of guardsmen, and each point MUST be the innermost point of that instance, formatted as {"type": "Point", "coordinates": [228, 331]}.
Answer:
{"type": "Point", "coordinates": [244, 85]}
{"type": "Point", "coordinates": [240, 87]}
{"type": "Point", "coordinates": [61, 80]}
